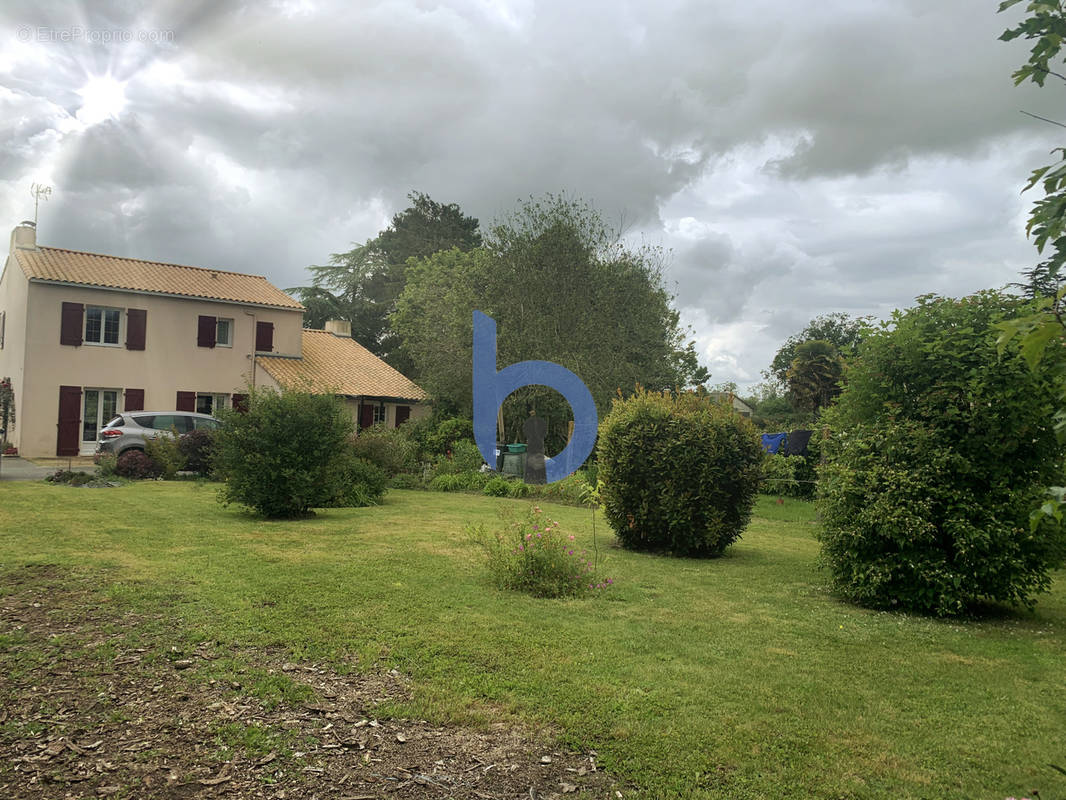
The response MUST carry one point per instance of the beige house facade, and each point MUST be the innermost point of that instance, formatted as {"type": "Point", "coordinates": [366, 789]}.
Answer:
{"type": "Point", "coordinates": [84, 336]}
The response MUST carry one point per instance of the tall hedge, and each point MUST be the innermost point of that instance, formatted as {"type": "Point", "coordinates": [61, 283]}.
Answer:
{"type": "Point", "coordinates": [680, 473]}
{"type": "Point", "coordinates": [938, 453]}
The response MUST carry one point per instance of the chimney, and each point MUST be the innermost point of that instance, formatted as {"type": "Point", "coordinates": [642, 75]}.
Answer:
{"type": "Point", "coordinates": [339, 327]}
{"type": "Point", "coordinates": [24, 236]}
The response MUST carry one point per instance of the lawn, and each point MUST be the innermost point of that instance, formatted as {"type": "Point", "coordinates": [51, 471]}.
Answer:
{"type": "Point", "coordinates": [739, 677]}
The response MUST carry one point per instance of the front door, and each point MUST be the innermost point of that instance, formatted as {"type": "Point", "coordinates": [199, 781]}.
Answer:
{"type": "Point", "coordinates": [99, 406]}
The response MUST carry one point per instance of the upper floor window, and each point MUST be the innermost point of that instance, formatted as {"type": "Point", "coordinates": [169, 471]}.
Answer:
{"type": "Point", "coordinates": [224, 333]}
{"type": "Point", "coordinates": [3, 324]}
{"type": "Point", "coordinates": [102, 325]}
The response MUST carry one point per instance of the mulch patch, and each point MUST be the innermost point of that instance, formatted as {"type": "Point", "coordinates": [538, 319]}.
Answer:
{"type": "Point", "coordinates": [84, 713]}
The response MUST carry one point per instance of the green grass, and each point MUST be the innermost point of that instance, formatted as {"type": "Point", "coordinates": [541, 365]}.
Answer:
{"type": "Point", "coordinates": [739, 677]}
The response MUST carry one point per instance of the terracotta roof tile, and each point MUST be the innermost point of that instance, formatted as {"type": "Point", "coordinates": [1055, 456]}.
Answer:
{"type": "Point", "coordinates": [341, 365]}
{"type": "Point", "coordinates": [93, 269]}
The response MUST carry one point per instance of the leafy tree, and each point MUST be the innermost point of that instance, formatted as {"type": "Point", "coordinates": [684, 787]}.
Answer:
{"type": "Point", "coordinates": [560, 289]}
{"type": "Point", "coordinates": [814, 375]}
{"type": "Point", "coordinates": [1040, 336]}
{"type": "Point", "coordinates": [362, 284]}
{"type": "Point", "coordinates": [938, 450]}
{"type": "Point", "coordinates": [427, 227]}
{"type": "Point", "coordinates": [839, 329]}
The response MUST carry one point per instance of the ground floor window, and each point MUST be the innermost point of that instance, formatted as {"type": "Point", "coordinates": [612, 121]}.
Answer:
{"type": "Point", "coordinates": [379, 413]}
{"type": "Point", "coordinates": [210, 403]}
{"type": "Point", "coordinates": [98, 406]}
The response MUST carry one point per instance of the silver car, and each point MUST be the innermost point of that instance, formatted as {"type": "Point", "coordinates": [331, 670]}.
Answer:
{"type": "Point", "coordinates": [129, 429]}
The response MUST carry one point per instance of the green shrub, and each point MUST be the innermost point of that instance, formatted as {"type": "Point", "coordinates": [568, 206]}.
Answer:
{"type": "Point", "coordinates": [406, 480]}
{"type": "Point", "coordinates": [779, 475]}
{"type": "Point", "coordinates": [518, 489]}
{"type": "Point", "coordinates": [680, 473]}
{"type": "Point", "coordinates": [363, 484]}
{"type": "Point", "coordinates": [136, 465]}
{"type": "Point", "coordinates": [197, 449]}
{"type": "Point", "coordinates": [391, 449]}
{"type": "Point", "coordinates": [460, 481]}
{"type": "Point", "coordinates": [106, 465]}
{"type": "Point", "coordinates": [465, 457]}
{"type": "Point", "coordinates": [530, 554]}
{"type": "Point", "coordinates": [437, 437]}
{"type": "Point", "coordinates": [569, 490]}
{"type": "Point", "coordinates": [73, 478]}
{"type": "Point", "coordinates": [497, 487]}
{"type": "Point", "coordinates": [166, 452]}
{"type": "Point", "coordinates": [288, 453]}
{"type": "Point", "coordinates": [938, 453]}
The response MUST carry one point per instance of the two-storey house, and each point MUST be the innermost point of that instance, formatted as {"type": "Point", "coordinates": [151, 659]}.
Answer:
{"type": "Point", "coordinates": [84, 335]}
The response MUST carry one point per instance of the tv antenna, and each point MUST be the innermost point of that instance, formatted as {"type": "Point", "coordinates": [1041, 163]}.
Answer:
{"type": "Point", "coordinates": [39, 190]}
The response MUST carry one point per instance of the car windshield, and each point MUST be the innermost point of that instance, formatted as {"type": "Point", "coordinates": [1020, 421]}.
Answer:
{"type": "Point", "coordinates": [114, 423]}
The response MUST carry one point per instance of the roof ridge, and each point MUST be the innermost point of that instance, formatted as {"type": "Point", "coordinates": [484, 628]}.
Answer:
{"type": "Point", "coordinates": [148, 261]}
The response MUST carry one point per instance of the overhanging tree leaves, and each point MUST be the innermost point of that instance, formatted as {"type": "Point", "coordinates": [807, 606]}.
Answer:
{"type": "Point", "coordinates": [1040, 336]}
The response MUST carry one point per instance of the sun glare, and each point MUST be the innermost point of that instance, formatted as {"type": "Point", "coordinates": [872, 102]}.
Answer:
{"type": "Point", "coordinates": [102, 98]}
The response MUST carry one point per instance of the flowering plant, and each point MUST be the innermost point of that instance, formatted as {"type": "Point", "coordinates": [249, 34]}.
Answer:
{"type": "Point", "coordinates": [530, 554]}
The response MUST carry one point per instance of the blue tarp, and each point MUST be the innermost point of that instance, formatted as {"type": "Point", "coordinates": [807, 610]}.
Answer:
{"type": "Point", "coordinates": [772, 442]}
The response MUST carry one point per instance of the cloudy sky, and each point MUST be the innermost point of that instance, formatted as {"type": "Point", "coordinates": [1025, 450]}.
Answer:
{"type": "Point", "coordinates": [796, 158]}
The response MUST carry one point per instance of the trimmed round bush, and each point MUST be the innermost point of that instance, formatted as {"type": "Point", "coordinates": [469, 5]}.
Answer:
{"type": "Point", "coordinates": [680, 473]}
{"type": "Point", "coordinates": [939, 451]}
{"type": "Point", "coordinates": [137, 465]}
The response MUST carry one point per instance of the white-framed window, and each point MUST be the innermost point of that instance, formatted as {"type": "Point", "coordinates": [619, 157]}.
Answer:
{"type": "Point", "coordinates": [224, 333]}
{"type": "Point", "coordinates": [102, 325]}
{"type": "Point", "coordinates": [207, 403]}
{"type": "Point", "coordinates": [379, 413]}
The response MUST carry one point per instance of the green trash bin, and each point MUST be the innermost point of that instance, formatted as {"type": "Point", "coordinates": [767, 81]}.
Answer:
{"type": "Point", "coordinates": [514, 464]}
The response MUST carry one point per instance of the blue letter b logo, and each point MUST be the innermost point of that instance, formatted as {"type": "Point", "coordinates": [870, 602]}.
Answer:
{"type": "Point", "coordinates": [491, 389]}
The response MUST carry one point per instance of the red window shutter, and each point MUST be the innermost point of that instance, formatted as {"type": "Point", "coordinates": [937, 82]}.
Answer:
{"type": "Point", "coordinates": [186, 400]}
{"type": "Point", "coordinates": [264, 337]}
{"type": "Point", "coordinates": [403, 413]}
{"type": "Point", "coordinates": [70, 328]}
{"type": "Point", "coordinates": [366, 415]}
{"type": "Point", "coordinates": [240, 403]}
{"type": "Point", "coordinates": [205, 332]}
{"type": "Point", "coordinates": [69, 425]}
{"type": "Point", "coordinates": [134, 400]}
{"type": "Point", "coordinates": [136, 323]}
